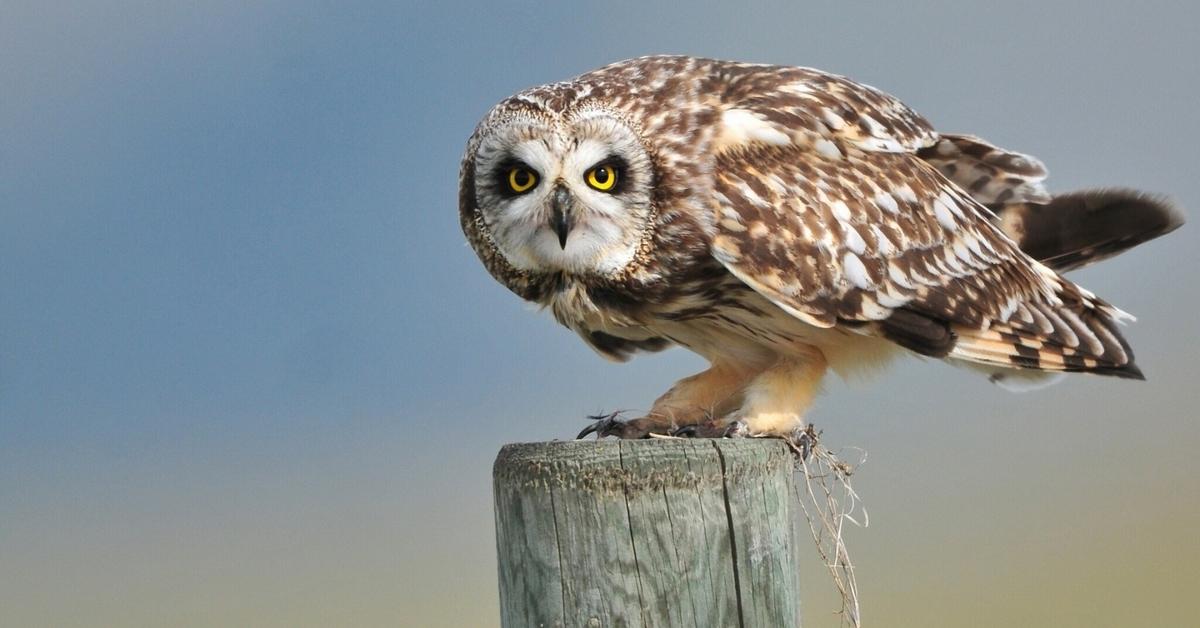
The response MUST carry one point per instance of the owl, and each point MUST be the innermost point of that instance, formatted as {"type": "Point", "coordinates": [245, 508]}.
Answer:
{"type": "Point", "coordinates": [782, 222]}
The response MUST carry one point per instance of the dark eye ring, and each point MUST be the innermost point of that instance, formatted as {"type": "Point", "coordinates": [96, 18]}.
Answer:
{"type": "Point", "coordinates": [521, 179]}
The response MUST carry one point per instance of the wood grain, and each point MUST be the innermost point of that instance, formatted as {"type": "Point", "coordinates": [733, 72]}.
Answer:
{"type": "Point", "coordinates": [647, 533]}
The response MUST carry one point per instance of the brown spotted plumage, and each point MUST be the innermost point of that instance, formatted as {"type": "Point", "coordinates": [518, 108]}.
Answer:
{"type": "Point", "coordinates": [779, 221]}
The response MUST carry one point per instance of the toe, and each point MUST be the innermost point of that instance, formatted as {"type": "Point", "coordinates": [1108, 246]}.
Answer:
{"type": "Point", "coordinates": [685, 431]}
{"type": "Point", "coordinates": [601, 425]}
{"type": "Point", "coordinates": [716, 428]}
{"type": "Point", "coordinates": [637, 428]}
{"type": "Point", "coordinates": [611, 425]}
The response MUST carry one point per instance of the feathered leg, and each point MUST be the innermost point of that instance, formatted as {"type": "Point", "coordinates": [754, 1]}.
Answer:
{"type": "Point", "coordinates": [777, 399]}
{"type": "Point", "coordinates": [774, 401]}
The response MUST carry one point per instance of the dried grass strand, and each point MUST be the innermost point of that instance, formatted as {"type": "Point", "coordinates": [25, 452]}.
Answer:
{"type": "Point", "coordinates": [829, 502]}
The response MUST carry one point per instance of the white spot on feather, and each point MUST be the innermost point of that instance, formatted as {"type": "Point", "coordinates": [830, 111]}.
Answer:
{"type": "Point", "coordinates": [834, 121]}
{"type": "Point", "coordinates": [856, 272]}
{"type": "Point", "coordinates": [882, 145]}
{"type": "Point", "coordinates": [883, 245]}
{"type": "Point", "coordinates": [739, 126]}
{"type": "Point", "coordinates": [854, 241]}
{"type": "Point", "coordinates": [749, 194]}
{"type": "Point", "coordinates": [944, 216]}
{"type": "Point", "coordinates": [887, 203]}
{"type": "Point", "coordinates": [840, 210]}
{"type": "Point", "coordinates": [801, 88]}
{"type": "Point", "coordinates": [950, 203]}
{"type": "Point", "coordinates": [972, 243]}
{"type": "Point", "coordinates": [905, 194]}
{"type": "Point", "coordinates": [827, 149]}
{"type": "Point", "coordinates": [874, 126]}
{"type": "Point", "coordinates": [777, 184]}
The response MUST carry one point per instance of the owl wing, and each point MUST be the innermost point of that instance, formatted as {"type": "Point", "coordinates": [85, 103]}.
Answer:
{"type": "Point", "coordinates": [811, 107]}
{"type": "Point", "coordinates": [846, 225]}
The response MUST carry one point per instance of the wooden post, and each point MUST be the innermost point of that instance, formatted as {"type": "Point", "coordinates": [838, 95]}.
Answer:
{"type": "Point", "coordinates": [658, 532]}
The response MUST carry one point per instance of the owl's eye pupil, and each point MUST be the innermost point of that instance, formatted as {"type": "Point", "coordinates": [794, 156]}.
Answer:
{"type": "Point", "coordinates": [602, 178]}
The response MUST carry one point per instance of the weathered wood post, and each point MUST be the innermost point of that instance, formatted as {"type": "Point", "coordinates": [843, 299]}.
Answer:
{"type": "Point", "coordinates": [659, 532]}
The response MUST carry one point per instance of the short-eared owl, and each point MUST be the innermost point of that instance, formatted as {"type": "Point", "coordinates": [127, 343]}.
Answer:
{"type": "Point", "coordinates": [781, 221]}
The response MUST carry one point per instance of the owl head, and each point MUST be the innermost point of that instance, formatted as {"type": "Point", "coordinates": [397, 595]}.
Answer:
{"type": "Point", "coordinates": [559, 189]}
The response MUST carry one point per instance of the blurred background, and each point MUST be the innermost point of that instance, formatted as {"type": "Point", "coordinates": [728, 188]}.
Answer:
{"type": "Point", "coordinates": [251, 374]}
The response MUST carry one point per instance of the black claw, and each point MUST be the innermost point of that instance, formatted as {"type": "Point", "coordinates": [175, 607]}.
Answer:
{"type": "Point", "coordinates": [804, 441]}
{"type": "Point", "coordinates": [602, 425]}
{"type": "Point", "coordinates": [684, 431]}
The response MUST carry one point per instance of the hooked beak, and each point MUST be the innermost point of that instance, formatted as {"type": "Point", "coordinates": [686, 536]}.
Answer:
{"type": "Point", "coordinates": [561, 218]}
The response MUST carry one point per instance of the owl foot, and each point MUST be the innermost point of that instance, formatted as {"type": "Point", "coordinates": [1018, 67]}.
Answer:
{"type": "Point", "coordinates": [610, 425]}
{"type": "Point", "coordinates": [803, 441]}
{"type": "Point", "coordinates": [711, 429]}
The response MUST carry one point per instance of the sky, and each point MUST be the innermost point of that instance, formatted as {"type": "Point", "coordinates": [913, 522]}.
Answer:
{"type": "Point", "coordinates": [251, 373]}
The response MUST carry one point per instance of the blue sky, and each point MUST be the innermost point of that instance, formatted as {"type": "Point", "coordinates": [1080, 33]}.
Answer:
{"type": "Point", "coordinates": [250, 372]}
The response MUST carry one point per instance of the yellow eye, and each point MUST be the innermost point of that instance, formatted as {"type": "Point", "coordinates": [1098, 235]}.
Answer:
{"type": "Point", "coordinates": [602, 178]}
{"type": "Point", "coordinates": [521, 180]}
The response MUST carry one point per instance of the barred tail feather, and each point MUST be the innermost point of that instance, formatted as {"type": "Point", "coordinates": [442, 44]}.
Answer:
{"type": "Point", "coordinates": [1080, 228]}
